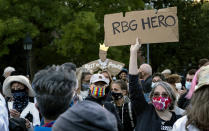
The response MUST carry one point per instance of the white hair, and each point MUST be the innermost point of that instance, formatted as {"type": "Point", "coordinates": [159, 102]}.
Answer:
{"type": "Point", "coordinates": [8, 69]}
{"type": "Point", "coordinates": [146, 68]}
{"type": "Point", "coordinates": [166, 71]}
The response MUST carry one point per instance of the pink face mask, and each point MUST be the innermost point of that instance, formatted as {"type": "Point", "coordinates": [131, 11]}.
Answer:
{"type": "Point", "coordinates": [161, 103]}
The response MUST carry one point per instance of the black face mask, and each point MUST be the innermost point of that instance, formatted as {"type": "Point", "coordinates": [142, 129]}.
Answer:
{"type": "Point", "coordinates": [116, 96]}
{"type": "Point", "coordinates": [21, 99]}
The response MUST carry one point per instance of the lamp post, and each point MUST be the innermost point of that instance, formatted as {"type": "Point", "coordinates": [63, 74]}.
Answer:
{"type": "Point", "coordinates": [27, 47]}
{"type": "Point", "coordinates": [147, 5]}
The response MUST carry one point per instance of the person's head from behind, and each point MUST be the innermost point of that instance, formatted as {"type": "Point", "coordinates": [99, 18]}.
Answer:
{"type": "Point", "coordinates": [145, 70]}
{"type": "Point", "coordinates": [69, 66]}
{"type": "Point", "coordinates": [198, 112]}
{"type": "Point", "coordinates": [118, 89]}
{"type": "Point", "coordinates": [162, 96]}
{"type": "Point", "coordinates": [7, 71]}
{"type": "Point", "coordinates": [189, 77]}
{"type": "Point", "coordinates": [86, 115]}
{"type": "Point", "coordinates": [54, 89]}
{"type": "Point", "coordinates": [98, 85]}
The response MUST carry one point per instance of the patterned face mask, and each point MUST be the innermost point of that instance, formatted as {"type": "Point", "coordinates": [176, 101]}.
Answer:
{"type": "Point", "coordinates": [161, 103]}
{"type": "Point", "coordinates": [97, 91]}
{"type": "Point", "coordinates": [20, 99]}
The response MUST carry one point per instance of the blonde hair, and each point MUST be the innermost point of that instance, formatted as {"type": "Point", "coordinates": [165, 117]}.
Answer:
{"type": "Point", "coordinates": [198, 113]}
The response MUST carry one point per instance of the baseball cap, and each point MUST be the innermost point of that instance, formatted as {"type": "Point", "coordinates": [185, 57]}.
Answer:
{"type": "Point", "coordinates": [98, 77]}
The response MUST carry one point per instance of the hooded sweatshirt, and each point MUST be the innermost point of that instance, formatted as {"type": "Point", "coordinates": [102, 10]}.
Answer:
{"type": "Point", "coordinates": [86, 116]}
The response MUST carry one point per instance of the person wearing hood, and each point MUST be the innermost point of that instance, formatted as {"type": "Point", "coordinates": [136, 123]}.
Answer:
{"type": "Point", "coordinates": [19, 88]}
{"type": "Point", "coordinates": [98, 86]}
{"type": "Point", "coordinates": [158, 115]}
{"type": "Point", "coordinates": [86, 116]}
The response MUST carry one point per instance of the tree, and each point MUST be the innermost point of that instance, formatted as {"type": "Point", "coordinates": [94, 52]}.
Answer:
{"type": "Point", "coordinates": [71, 30]}
{"type": "Point", "coordinates": [193, 43]}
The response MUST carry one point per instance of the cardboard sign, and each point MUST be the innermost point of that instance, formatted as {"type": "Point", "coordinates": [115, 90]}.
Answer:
{"type": "Point", "coordinates": [112, 66]}
{"type": "Point", "coordinates": [148, 25]}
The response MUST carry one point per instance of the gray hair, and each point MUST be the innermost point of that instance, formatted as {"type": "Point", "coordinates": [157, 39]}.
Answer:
{"type": "Point", "coordinates": [168, 89]}
{"type": "Point", "coordinates": [146, 68]}
{"type": "Point", "coordinates": [8, 69]}
{"type": "Point", "coordinates": [54, 89]}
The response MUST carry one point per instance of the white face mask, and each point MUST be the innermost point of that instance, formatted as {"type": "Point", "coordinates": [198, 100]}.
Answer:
{"type": "Point", "coordinates": [178, 86]}
{"type": "Point", "coordinates": [188, 85]}
{"type": "Point", "coordinates": [153, 84]}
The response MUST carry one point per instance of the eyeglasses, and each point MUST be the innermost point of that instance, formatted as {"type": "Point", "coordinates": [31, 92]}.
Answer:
{"type": "Point", "coordinates": [189, 80]}
{"type": "Point", "coordinates": [157, 94]}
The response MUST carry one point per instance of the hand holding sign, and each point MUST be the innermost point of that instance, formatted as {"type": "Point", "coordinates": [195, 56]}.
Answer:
{"type": "Point", "coordinates": [135, 48]}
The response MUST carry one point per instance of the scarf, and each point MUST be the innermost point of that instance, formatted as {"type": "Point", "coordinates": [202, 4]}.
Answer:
{"type": "Point", "coordinates": [21, 99]}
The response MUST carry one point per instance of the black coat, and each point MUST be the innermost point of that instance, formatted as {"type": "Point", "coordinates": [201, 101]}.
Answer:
{"type": "Point", "coordinates": [147, 118]}
{"type": "Point", "coordinates": [126, 116]}
{"type": "Point", "coordinates": [146, 85]}
{"type": "Point", "coordinates": [183, 102]}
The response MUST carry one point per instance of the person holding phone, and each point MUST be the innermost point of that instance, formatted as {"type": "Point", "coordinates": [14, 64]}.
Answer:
{"type": "Point", "coordinates": [19, 89]}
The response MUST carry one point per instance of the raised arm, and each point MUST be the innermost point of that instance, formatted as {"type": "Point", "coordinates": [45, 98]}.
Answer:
{"type": "Point", "coordinates": [136, 95]}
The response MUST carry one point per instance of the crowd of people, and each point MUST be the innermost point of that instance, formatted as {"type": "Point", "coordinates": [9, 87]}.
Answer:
{"type": "Point", "coordinates": [65, 98]}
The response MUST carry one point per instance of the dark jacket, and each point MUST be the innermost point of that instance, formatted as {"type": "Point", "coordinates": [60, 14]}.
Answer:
{"type": "Point", "coordinates": [146, 85]}
{"type": "Point", "coordinates": [109, 106]}
{"type": "Point", "coordinates": [127, 118]}
{"type": "Point", "coordinates": [147, 118]}
{"type": "Point", "coordinates": [183, 102]}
